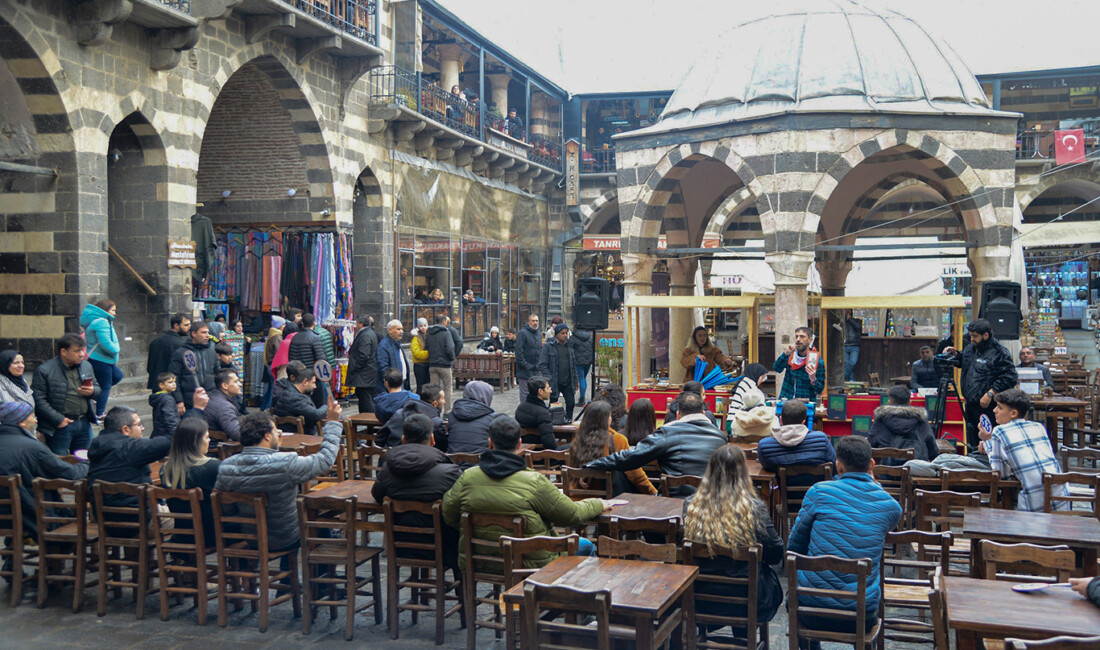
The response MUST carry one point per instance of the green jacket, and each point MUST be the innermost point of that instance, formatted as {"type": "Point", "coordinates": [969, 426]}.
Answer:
{"type": "Point", "coordinates": [502, 484]}
{"type": "Point", "coordinates": [328, 345]}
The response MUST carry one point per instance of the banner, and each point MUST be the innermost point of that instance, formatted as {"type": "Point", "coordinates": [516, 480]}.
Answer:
{"type": "Point", "coordinates": [572, 173]}
{"type": "Point", "coordinates": [1069, 146]}
{"type": "Point", "coordinates": [612, 242]}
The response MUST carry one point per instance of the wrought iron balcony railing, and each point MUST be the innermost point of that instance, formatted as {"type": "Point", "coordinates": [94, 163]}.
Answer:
{"type": "Point", "coordinates": [359, 18]}
{"type": "Point", "coordinates": [1040, 145]}
{"type": "Point", "coordinates": [598, 161]}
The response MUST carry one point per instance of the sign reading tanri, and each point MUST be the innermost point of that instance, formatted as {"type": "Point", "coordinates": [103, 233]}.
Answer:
{"type": "Point", "coordinates": [181, 254]}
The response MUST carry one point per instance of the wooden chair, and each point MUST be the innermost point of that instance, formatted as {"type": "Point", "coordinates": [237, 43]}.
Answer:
{"type": "Point", "coordinates": [1026, 562]}
{"type": "Point", "coordinates": [229, 448]}
{"type": "Point", "coordinates": [1087, 495]}
{"type": "Point", "coordinates": [370, 459]}
{"type": "Point", "coordinates": [635, 549]}
{"type": "Point", "coordinates": [909, 559]}
{"type": "Point", "coordinates": [719, 593]}
{"type": "Point", "coordinates": [484, 563]}
{"type": "Point", "coordinates": [217, 439]}
{"type": "Point", "coordinates": [937, 604]}
{"type": "Point", "coordinates": [940, 512]}
{"type": "Point", "coordinates": [1087, 459]}
{"type": "Point", "coordinates": [418, 548]}
{"type": "Point", "coordinates": [539, 631]}
{"type": "Point", "coordinates": [464, 459]}
{"type": "Point", "coordinates": [64, 534]}
{"type": "Point", "coordinates": [881, 453]}
{"type": "Point", "coordinates": [322, 554]}
{"type": "Point", "coordinates": [874, 379]}
{"type": "Point", "coordinates": [290, 423]}
{"type": "Point", "coordinates": [548, 462]}
{"type": "Point", "coordinates": [670, 483]}
{"type": "Point", "coordinates": [1055, 643]}
{"type": "Point", "coordinates": [514, 549]}
{"type": "Point", "coordinates": [240, 528]}
{"type": "Point", "coordinates": [529, 434]}
{"type": "Point", "coordinates": [581, 483]}
{"type": "Point", "coordinates": [182, 567]}
{"type": "Point", "coordinates": [899, 484]}
{"type": "Point", "coordinates": [791, 496]}
{"type": "Point", "coordinates": [11, 527]}
{"type": "Point", "coordinates": [985, 482]}
{"type": "Point", "coordinates": [862, 637]}
{"type": "Point", "coordinates": [654, 530]}
{"type": "Point", "coordinates": [124, 542]}
{"type": "Point", "coordinates": [338, 472]}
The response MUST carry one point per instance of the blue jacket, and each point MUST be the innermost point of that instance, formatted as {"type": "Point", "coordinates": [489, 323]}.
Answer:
{"type": "Point", "coordinates": [386, 404]}
{"type": "Point", "coordinates": [99, 331]}
{"type": "Point", "coordinates": [799, 447]}
{"type": "Point", "coordinates": [389, 356]}
{"type": "Point", "coordinates": [848, 517]}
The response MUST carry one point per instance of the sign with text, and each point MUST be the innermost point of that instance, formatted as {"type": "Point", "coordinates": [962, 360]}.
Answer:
{"type": "Point", "coordinates": [190, 361]}
{"type": "Point", "coordinates": [181, 254]}
{"type": "Point", "coordinates": [323, 371]}
{"type": "Point", "coordinates": [572, 172]}
{"type": "Point", "coordinates": [613, 243]}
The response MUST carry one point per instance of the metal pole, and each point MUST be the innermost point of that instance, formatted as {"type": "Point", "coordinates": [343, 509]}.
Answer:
{"type": "Point", "coordinates": [27, 169]}
{"type": "Point", "coordinates": [481, 93]}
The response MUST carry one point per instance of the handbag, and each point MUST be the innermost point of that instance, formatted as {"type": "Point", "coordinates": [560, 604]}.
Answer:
{"type": "Point", "coordinates": [557, 415]}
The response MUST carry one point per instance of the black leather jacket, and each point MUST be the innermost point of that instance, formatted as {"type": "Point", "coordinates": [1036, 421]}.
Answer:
{"type": "Point", "coordinates": [680, 448]}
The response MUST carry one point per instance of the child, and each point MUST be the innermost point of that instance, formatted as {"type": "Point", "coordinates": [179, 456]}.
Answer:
{"type": "Point", "coordinates": [166, 416]}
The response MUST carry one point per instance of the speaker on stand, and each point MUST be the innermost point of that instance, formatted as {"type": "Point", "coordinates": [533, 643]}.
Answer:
{"type": "Point", "coordinates": [1001, 307]}
{"type": "Point", "coordinates": [591, 303]}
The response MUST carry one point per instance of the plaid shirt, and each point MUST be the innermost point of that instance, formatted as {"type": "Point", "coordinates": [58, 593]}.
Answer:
{"type": "Point", "coordinates": [1021, 449]}
{"type": "Point", "coordinates": [797, 383]}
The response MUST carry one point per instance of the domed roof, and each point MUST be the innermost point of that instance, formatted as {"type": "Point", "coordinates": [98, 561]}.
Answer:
{"type": "Point", "coordinates": [816, 56]}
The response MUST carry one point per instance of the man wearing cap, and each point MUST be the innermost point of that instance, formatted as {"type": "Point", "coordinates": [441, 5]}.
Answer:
{"type": "Point", "coordinates": [22, 455]}
{"type": "Point", "coordinates": [558, 364]}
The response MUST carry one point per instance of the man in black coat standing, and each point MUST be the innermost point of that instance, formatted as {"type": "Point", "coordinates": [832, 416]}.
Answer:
{"type": "Point", "coordinates": [363, 365]}
{"type": "Point", "coordinates": [441, 355]}
{"type": "Point", "coordinates": [528, 347]}
{"type": "Point", "coordinates": [205, 362]}
{"type": "Point", "coordinates": [557, 363]}
{"type": "Point", "coordinates": [162, 348]}
{"type": "Point", "coordinates": [583, 354]}
{"type": "Point", "coordinates": [307, 348]}
{"type": "Point", "coordinates": [987, 369]}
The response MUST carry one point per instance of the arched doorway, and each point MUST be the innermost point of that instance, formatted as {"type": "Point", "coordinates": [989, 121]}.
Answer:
{"type": "Point", "coordinates": [373, 250]}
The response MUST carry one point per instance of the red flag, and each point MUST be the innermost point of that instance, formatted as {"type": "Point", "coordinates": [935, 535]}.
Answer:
{"type": "Point", "coordinates": [1069, 146]}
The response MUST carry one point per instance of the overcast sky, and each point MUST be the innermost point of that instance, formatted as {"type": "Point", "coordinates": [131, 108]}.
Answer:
{"type": "Point", "coordinates": [625, 45]}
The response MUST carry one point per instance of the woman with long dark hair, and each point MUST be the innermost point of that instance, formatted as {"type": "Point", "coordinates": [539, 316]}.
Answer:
{"type": "Point", "coordinates": [750, 380]}
{"type": "Point", "coordinates": [726, 511]}
{"type": "Point", "coordinates": [701, 347]}
{"type": "Point", "coordinates": [188, 467]}
{"type": "Point", "coordinates": [614, 395]}
{"type": "Point", "coordinates": [641, 421]}
{"type": "Point", "coordinates": [594, 438]}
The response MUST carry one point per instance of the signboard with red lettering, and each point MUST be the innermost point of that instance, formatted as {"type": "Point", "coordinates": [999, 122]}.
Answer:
{"type": "Point", "coordinates": [613, 243]}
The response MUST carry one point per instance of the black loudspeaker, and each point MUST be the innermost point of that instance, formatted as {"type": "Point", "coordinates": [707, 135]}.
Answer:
{"type": "Point", "coordinates": [1001, 307]}
{"type": "Point", "coordinates": [590, 304]}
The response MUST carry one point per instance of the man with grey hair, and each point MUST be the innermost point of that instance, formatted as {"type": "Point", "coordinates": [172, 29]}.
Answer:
{"type": "Point", "coordinates": [390, 354]}
{"type": "Point", "coordinates": [1027, 360]}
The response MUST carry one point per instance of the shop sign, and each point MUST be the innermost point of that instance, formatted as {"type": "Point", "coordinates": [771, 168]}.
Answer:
{"type": "Point", "coordinates": [612, 343]}
{"type": "Point", "coordinates": [955, 271]}
{"type": "Point", "coordinates": [572, 172]}
{"type": "Point", "coordinates": [613, 243]}
{"type": "Point", "coordinates": [726, 281]}
{"type": "Point", "coordinates": [181, 254]}
{"type": "Point", "coordinates": [473, 247]}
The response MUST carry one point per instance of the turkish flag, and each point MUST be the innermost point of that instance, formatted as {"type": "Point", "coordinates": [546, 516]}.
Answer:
{"type": "Point", "coordinates": [1069, 146]}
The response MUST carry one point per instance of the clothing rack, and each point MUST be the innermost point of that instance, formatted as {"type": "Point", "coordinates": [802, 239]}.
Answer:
{"type": "Point", "coordinates": [283, 226]}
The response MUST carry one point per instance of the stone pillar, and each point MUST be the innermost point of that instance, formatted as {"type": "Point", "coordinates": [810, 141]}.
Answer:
{"type": "Point", "coordinates": [790, 295]}
{"type": "Point", "coordinates": [500, 92]}
{"type": "Point", "coordinates": [540, 122]}
{"type": "Point", "coordinates": [451, 61]}
{"type": "Point", "coordinates": [834, 271]}
{"type": "Point", "coordinates": [637, 281]}
{"type": "Point", "coordinates": [681, 276]}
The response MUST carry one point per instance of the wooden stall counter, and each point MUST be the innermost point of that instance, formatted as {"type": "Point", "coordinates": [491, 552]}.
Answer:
{"type": "Point", "coordinates": [858, 410]}
{"type": "Point", "coordinates": [662, 396]}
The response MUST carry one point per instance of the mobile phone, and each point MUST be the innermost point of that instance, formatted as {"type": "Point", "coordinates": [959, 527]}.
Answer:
{"type": "Point", "coordinates": [87, 383]}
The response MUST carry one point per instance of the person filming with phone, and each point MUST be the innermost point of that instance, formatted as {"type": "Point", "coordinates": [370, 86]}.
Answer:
{"type": "Point", "coordinates": [987, 369]}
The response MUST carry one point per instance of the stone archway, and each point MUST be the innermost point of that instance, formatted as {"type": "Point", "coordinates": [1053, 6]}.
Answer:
{"type": "Point", "coordinates": [373, 250]}
{"type": "Point", "coordinates": [1026, 193]}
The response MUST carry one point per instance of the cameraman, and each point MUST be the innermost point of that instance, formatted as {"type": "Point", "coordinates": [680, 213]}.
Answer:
{"type": "Point", "coordinates": [987, 369]}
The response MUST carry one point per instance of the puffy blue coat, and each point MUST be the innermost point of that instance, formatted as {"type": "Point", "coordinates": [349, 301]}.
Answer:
{"type": "Point", "coordinates": [99, 331]}
{"type": "Point", "coordinates": [848, 517]}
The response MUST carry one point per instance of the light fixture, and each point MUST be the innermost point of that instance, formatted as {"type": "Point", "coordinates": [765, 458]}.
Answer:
{"type": "Point", "coordinates": [226, 193]}
{"type": "Point", "coordinates": [326, 213]}
{"type": "Point", "coordinates": [115, 155]}
{"type": "Point", "coordinates": [291, 192]}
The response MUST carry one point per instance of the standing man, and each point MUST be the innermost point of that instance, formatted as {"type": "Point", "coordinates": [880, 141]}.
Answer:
{"type": "Point", "coordinates": [557, 363]}
{"type": "Point", "coordinates": [455, 336]}
{"type": "Point", "coordinates": [64, 392]}
{"type": "Point", "coordinates": [205, 362]}
{"type": "Point", "coordinates": [922, 372]}
{"type": "Point", "coordinates": [987, 369]}
{"type": "Point", "coordinates": [581, 344]}
{"type": "Point", "coordinates": [306, 347]}
{"type": "Point", "coordinates": [1027, 360]}
{"type": "Point", "coordinates": [804, 368]}
{"type": "Point", "coordinates": [853, 331]}
{"type": "Point", "coordinates": [528, 348]}
{"type": "Point", "coordinates": [441, 355]}
{"type": "Point", "coordinates": [162, 348]}
{"type": "Point", "coordinates": [327, 343]}
{"type": "Point", "coordinates": [390, 354]}
{"type": "Point", "coordinates": [363, 364]}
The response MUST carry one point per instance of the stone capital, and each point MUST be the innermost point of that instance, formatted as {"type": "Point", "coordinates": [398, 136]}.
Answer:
{"type": "Point", "coordinates": [790, 268]}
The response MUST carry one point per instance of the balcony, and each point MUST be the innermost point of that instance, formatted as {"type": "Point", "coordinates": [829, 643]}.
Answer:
{"type": "Point", "coordinates": [598, 161]}
{"type": "Point", "coordinates": [437, 122]}
{"type": "Point", "coordinates": [172, 28]}
{"type": "Point", "coordinates": [1038, 146]}
{"type": "Point", "coordinates": [347, 30]}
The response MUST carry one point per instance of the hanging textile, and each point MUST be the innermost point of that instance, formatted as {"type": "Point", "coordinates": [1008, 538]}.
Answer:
{"type": "Point", "coordinates": [256, 371]}
{"type": "Point", "coordinates": [343, 277]}
{"type": "Point", "coordinates": [236, 342]}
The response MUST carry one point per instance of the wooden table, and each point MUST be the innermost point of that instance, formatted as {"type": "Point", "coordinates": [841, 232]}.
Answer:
{"type": "Point", "coordinates": [1060, 408]}
{"type": "Point", "coordinates": [644, 591]}
{"type": "Point", "coordinates": [979, 609]}
{"type": "Point", "coordinates": [366, 505]}
{"type": "Point", "coordinates": [291, 441]}
{"type": "Point", "coordinates": [645, 506]}
{"type": "Point", "coordinates": [902, 380]}
{"type": "Point", "coordinates": [486, 367]}
{"type": "Point", "coordinates": [1082, 534]}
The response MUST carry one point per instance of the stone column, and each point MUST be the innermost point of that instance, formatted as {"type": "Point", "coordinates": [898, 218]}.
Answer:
{"type": "Point", "coordinates": [834, 271]}
{"type": "Point", "coordinates": [540, 123]}
{"type": "Point", "coordinates": [790, 295]}
{"type": "Point", "coordinates": [681, 276]}
{"type": "Point", "coordinates": [451, 62]}
{"type": "Point", "coordinates": [500, 92]}
{"type": "Point", "coordinates": [637, 281]}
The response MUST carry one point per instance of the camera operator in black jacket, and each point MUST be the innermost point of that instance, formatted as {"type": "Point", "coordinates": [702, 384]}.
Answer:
{"type": "Point", "coordinates": [987, 369]}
